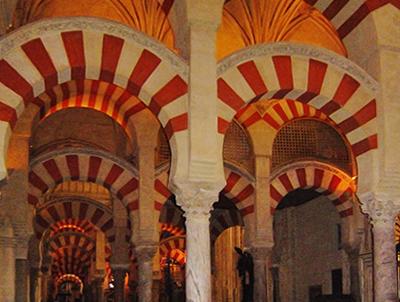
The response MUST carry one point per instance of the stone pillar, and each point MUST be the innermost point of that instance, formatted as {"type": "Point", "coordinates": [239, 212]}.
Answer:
{"type": "Point", "coordinates": [21, 280]}
{"type": "Point", "coordinates": [263, 284]}
{"type": "Point", "coordinates": [382, 214]}
{"type": "Point", "coordinates": [145, 255]}
{"type": "Point", "coordinates": [119, 274]}
{"type": "Point", "coordinates": [197, 205]}
{"type": "Point", "coordinates": [7, 261]}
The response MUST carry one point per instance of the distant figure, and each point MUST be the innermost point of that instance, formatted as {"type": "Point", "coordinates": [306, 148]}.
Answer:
{"type": "Point", "coordinates": [245, 267]}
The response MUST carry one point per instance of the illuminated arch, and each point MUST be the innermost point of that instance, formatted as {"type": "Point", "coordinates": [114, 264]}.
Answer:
{"type": "Point", "coordinates": [174, 248]}
{"type": "Point", "coordinates": [52, 168]}
{"type": "Point", "coordinates": [105, 97]}
{"type": "Point", "coordinates": [78, 211]}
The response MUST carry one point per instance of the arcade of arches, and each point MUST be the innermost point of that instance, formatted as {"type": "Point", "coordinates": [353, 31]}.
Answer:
{"type": "Point", "coordinates": [142, 141]}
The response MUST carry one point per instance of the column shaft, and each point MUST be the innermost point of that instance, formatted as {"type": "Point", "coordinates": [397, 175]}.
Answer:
{"type": "Point", "coordinates": [145, 282]}
{"type": "Point", "coordinates": [7, 264]}
{"type": "Point", "coordinates": [198, 263]}
{"type": "Point", "coordinates": [262, 276]}
{"type": "Point", "coordinates": [7, 260]}
{"type": "Point", "coordinates": [33, 283]}
{"type": "Point", "coordinates": [385, 264]}
{"type": "Point", "coordinates": [119, 284]}
{"type": "Point", "coordinates": [21, 280]}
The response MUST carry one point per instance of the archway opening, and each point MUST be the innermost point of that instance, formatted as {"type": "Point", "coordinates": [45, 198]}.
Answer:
{"type": "Point", "coordinates": [308, 253]}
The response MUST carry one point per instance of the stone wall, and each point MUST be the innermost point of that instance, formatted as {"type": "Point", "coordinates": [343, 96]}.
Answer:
{"type": "Point", "coordinates": [306, 248]}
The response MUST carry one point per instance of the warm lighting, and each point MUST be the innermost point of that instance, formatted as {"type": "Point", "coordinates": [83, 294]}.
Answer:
{"type": "Point", "coordinates": [247, 23]}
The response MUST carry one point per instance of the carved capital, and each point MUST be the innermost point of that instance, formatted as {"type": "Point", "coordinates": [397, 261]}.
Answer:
{"type": "Point", "coordinates": [382, 211]}
{"type": "Point", "coordinates": [146, 253]}
{"type": "Point", "coordinates": [196, 201]}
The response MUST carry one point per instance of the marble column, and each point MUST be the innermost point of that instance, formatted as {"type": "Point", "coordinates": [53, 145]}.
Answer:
{"type": "Point", "coordinates": [145, 255]}
{"type": "Point", "coordinates": [198, 261]}
{"type": "Point", "coordinates": [382, 213]}
{"type": "Point", "coordinates": [119, 274]}
{"type": "Point", "coordinates": [197, 205]}
{"type": "Point", "coordinates": [7, 261]}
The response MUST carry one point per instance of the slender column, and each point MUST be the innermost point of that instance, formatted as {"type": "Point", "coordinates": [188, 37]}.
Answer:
{"type": "Point", "coordinates": [145, 255]}
{"type": "Point", "coordinates": [197, 205]}
{"type": "Point", "coordinates": [7, 261]}
{"type": "Point", "coordinates": [382, 214]}
{"type": "Point", "coordinates": [119, 274]}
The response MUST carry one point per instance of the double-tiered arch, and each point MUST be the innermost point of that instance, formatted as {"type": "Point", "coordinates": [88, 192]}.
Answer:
{"type": "Point", "coordinates": [331, 84]}
{"type": "Point", "coordinates": [49, 53]}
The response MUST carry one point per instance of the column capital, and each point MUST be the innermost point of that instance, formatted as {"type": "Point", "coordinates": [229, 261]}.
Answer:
{"type": "Point", "coordinates": [261, 252]}
{"type": "Point", "coordinates": [381, 209]}
{"type": "Point", "coordinates": [120, 267]}
{"type": "Point", "coordinates": [196, 200]}
{"type": "Point", "coordinates": [146, 252]}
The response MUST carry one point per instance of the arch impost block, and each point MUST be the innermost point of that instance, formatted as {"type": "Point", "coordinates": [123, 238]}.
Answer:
{"type": "Point", "coordinates": [299, 50]}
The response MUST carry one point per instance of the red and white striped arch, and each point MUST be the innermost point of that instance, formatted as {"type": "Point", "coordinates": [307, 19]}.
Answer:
{"type": "Point", "coordinates": [69, 278]}
{"type": "Point", "coordinates": [98, 167]}
{"type": "Point", "coordinates": [50, 52]}
{"type": "Point", "coordinates": [172, 229]}
{"type": "Point", "coordinates": [172, 220]}
{"type": "Point", "coordinates": [102, 96]}
{"type": "Point", "coordinates": [70, 260]}
{"type": "Point", "coordinates": [74, 211]}
{"type": "Point", "coordinates": [222, 220]}
{"type": "Point", "coordinates": [67, 239]}
{"type": "Point", "coordinates": [326, 179]}
{"type": "Point", "coordinates": [278, 113]}
{"type": "Point", "coordinates": [311, 76]}
{"type": "Point", "coordinates": [174, 248]}
{"type": "Point", "coordinates": [239, 189]}
{"type": "Point", "coordinates": [347, 15]}
{"type": "Point", "coordinates": [162, 193]}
